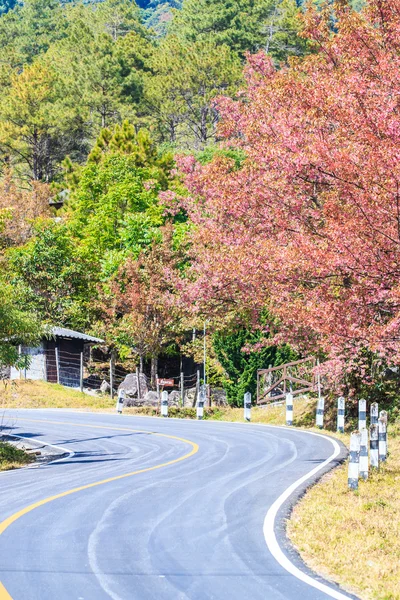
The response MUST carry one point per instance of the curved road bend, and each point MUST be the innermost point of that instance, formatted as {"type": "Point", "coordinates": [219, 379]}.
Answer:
{"type": "Point", "coordinates": [190, 530]}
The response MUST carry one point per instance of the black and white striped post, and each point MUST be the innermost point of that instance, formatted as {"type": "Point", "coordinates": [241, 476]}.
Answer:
{"type": "Point", "coordinates": [374, 413]}
{"type": "Point", "coordinates": [164, 404]}
{"type": "Point", "coordinates": [354, 460]}
{"type": "Point", "coordinates": [247, 406]}
{"type": "Point", "coordinates": [289, 409]}
{"type": "Point", "coordinates": [362, 414]}
{"type": "Point", "coordinates": [364, 463]}
{"type": "Point", "coordinates": [340, 414]}
{"type": "Point", "coordinates": [120, 401]}
{"type": "Point", "coordinates": [383, 415]}
{"type": "Point", "coordinates": [382, 440]}
{"type": "Point", "coordinates": [200, 402]}
{"type": "Point", "coordinates": [373, 446]}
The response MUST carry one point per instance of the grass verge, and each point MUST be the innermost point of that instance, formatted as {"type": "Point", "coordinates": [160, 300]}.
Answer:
{"type": "Point", "coordinates": [353, 537]}
{"type": "Point", "coordinates": [13, 458]}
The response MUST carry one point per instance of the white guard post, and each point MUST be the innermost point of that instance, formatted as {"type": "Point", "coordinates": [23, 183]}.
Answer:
{"type": "Point", "coordinates": [354, 460]}
{"type": "Point", "coordinates": [289, 409]}
{"type": "Point", "coordinates": [362, 414]}
{"type": "Point", "coordinates": [164, 404]}
{"type": "Point", "coordinates": [340, 414]}
{"type": "Point", "coordinates": [247, 406]}
{"type": "Point", "coordinates": [374, 413]}
{"type": "Point", "coordinates": [364, 461]}
{"type": "Point", "coordinates": [200, 402]}
{"type": "Point", "coordinates": [120, 401]}
{"type": "Point", "coordinates": [320, 412]}
{"type": "Point", "coordinates": [373, 445]}
{"type": "Point", "coordinates": [382, 439]}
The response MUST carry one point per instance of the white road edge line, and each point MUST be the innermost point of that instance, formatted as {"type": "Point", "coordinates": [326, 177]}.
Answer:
{"type": "Point", "coordinates": [269, 527]}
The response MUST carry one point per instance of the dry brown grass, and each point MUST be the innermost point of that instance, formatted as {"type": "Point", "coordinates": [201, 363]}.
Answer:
{"type": "Point", "coordinates": [39, 394]}
{"type": "Point", "coordinates": [354, 537]}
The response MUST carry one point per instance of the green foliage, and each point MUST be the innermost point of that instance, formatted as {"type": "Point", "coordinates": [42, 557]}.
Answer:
{"type": "Point", "coordinates": [17, 325]}
{"type": "Point", "coordinates": [55, 276]}
{"type": "Point", "coordinates": [186, 78]}
{"type": "Point", "coordinates": [115, 205]}
{"type": "Point", "coordinates": [241, 367]}
{"type": "Point", "coordinates": [244, 26]}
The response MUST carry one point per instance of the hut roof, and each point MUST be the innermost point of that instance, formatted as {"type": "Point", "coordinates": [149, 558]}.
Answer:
{"type": "Point", "coordinates": [70, 333]}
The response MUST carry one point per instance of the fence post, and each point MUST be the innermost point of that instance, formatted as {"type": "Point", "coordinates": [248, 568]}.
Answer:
{"type": "Point", "coordinates": [382, 440]}
{"type": "Point", "coordinates": [200, 402]}
{"type": "Point", "coordinates": [120, 401]}
{"type": "Point", "coordinates": [289, 409]}
{"type": "Point", "coordinates": [373, 444]}
{"type": "Point", "coordinates": [320, 412]}
{"type": "Point", "coordinates": [247, 406]}
{"type": "Point", "coordinates": [374, 413]}
{"type": "Point", "coordinates": [364, 454]}
{"type": "Point", "coordinates": [164, 404]}
{"type": "Point", "coordinates": [138, 384]}
{"type": "Point", "coordinates": [340, 415]}
{"type": "Point", "coordinates": [57, 365]}
{"type": "Point", "coordinates": [112, 367]}
{"type": "Point", "coordinates": [362, 414]}
{"type": "Point", "coordinates": [81, 373]}
{"type": "Point", "coordinates": [354, 461]}
{"type": "Point", "coordinates": [182, 391]}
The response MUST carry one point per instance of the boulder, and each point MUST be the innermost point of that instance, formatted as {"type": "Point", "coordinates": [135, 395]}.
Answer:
{"type": "Point", "coordinates": [129, 385]}
{"type": "Point", "coordinates": [218, 397]}
{"type": "Point", "coordinates": [105, 387]}
{"type": "Point", "coordinates": [151, 399]}
{"type": "Point", "coordinates": [190, 397]}
{"type": "Point", "coordinates": [174, 398]}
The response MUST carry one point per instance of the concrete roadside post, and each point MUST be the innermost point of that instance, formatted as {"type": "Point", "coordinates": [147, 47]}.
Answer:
{"type": "Point", "coordinates": [362, 414]}
{"type": "Point", "coordinates": [383, 415]}
{"type": "Point", "coordinates": [200, 402]}
{"type": "Point", "coordinates": [382, 440]}
{"type": "Point", "coordinates": [247, 406]}
{"type": "Point", "coordinates": [364, 463]}
{"type": "Point", "coordinates": [289, 409]}
{"type": "Point", "coordinates": [374, 413]}
{"type": "Point", "coordinates": [164, 404]}
{"type": "Point", "coordinates": [373, 445]}
{"type": "Point", "coordinates": [120, 401]}
{"type": "Point", "coordinates": [320, 412]}
{"type": "Point", "coordinates": [354, 460]}
{"type": "Point", "coordinates": [340, 414]}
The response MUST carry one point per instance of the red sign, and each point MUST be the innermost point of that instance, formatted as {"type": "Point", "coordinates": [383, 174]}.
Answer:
{"type": "Point", "coordinates": [166, 382]}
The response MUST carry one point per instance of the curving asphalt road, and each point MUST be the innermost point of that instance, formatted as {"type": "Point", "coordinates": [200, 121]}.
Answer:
{"type": "Point", "coordinates": [185, 524]}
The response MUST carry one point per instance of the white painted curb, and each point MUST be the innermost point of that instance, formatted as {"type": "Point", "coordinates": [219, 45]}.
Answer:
{"type": "Point", "coordinates": [269, 527]}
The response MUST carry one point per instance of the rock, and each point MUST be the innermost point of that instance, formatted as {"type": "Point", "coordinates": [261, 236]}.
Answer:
{"type": "Point", "coordinates": [151, 399]}
{"type": "Point", "coordinates": [129, 385]}
{"type": "Point", "coordinates": [190, 397]}
{"type": "Point", "coordinates": [218, 397]}
{"type": "Point", "coordinates": [105, 387]}
{"type": "Point", "coordinates": [174, 398]}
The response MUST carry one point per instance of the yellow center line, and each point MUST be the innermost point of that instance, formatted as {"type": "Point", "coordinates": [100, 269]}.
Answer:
{"type": "Point", "coordinates": [4, 595]}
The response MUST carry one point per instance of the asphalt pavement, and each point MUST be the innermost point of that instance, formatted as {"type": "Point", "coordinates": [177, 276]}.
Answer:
{"type": "Point", "coordinates": [151, 509]}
